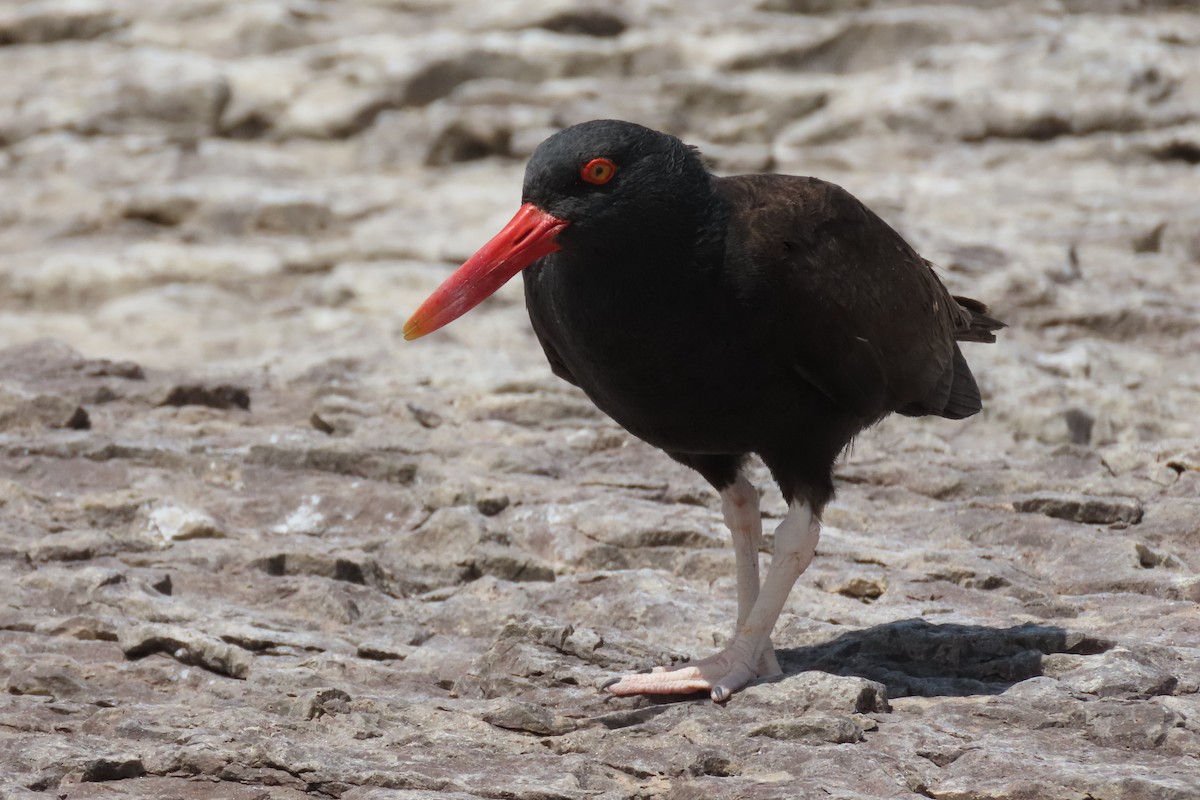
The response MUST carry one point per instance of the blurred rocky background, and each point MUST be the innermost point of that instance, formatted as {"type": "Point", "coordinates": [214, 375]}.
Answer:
{"type": "Point", "coordinates": [253, 545]}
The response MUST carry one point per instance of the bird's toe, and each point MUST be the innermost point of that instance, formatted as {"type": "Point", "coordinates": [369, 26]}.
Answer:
{"type": "Point", "coordinates": [733, 681]}
{"type": "Point", "coordinates": [662, 681]}
{"type": "Point", "coordinates": [721, 675]}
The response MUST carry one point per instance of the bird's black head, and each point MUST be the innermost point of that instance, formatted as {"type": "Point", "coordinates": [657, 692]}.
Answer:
{"type": "Point", "coordinates": [616, 182]}
{"type": "Point", "coordinates": [603, 187]}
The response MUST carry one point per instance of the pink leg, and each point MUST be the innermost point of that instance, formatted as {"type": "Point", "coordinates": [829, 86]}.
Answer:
{"type": "Point", "coordinates": [750, 655]}
{"type": "Point", "coordinates": [739, 504]}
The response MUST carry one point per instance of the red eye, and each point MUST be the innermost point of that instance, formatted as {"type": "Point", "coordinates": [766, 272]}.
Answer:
{"type": "Point", "coordinates": [598, 171]}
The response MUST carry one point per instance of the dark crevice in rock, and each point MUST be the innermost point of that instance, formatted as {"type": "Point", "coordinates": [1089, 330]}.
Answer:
{"type": "Point", "coordinates": [716, 765]}
{"type": "Point", "coordinates": [79, 421]}
{"type": "Point", "coordinates": [113, 769]}
{"type": "Point", "coordinates": [459, 143]}
{"type": "Point", "coordinates": [597, 23]}
{"type": "Point", "coordinates": [254, 126]}
{"type": "Point", "coordinates": [1187, 152]}
{"type": "Point", "coordinates": [224, 396]}
{"type": "Point", "coordinates": [338, 569]}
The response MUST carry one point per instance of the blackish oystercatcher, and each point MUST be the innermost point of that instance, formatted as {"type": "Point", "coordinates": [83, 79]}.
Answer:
{"type": "Point", "coordinates": [717, 318]}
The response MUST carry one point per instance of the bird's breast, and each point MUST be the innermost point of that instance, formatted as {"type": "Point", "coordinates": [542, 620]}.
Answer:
{"type": "Point", "coordinates": [675, 364]}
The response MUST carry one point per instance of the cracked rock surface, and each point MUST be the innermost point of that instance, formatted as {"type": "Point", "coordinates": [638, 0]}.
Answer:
{"type": "Point", "coordinates": [254, 545]}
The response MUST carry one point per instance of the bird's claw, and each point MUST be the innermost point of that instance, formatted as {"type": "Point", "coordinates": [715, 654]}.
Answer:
{"type": "Point", "coordinates": [720, 675]}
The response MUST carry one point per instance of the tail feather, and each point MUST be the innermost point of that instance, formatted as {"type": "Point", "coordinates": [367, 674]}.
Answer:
{"type": "Point", "coordinates": [955, 397]}
{"type": "Point", "coordinates": [964, 400]}
{"type": "Point", "coordinates": [956, 394]}
{"type": "Point", "coordinates": [982, 327]}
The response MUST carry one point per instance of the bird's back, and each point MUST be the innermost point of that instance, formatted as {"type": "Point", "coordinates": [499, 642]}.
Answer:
{"type": "Point", "coordinates": [859, 314]}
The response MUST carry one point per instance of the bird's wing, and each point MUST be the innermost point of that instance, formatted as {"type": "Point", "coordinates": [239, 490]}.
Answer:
{"type": "Point", "coordinates": [865, 319]}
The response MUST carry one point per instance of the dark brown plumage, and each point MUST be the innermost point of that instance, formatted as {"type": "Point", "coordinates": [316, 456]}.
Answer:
{"type": "Point", "coordinates": [797, 319]}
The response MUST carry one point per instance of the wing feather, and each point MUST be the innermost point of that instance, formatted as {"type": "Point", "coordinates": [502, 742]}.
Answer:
{"type": "Point", "coordinates": [869, 323]}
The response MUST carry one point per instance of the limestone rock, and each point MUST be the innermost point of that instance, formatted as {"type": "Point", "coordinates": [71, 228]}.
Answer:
{"type": "Point", "coordinates": [186, 646]}
{"type": "Point", "coordinates": [425, 559]}
{"type": "Point", "coordinates": [1087, 509]}
{"type": "Point", "coordinates": [56, 20]}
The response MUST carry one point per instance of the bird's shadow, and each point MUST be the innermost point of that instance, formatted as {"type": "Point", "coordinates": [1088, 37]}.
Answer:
{"type": "Point", "coordinates": [916, 657]}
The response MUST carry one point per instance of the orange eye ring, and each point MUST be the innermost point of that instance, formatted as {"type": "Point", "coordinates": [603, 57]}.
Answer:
{"type": "Point", "coordinates": [598, 171]}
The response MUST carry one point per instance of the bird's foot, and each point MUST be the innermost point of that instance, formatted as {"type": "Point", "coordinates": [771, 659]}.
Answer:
{"type": "Point", "coordinates": [720, 675]}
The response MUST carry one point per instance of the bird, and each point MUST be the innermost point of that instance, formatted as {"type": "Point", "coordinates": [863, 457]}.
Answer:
{"type": "Point", "coordinates": [719, 319]}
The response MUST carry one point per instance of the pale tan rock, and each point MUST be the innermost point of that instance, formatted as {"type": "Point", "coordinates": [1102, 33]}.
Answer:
{"type": "Point", "coordinates": [426, 592]}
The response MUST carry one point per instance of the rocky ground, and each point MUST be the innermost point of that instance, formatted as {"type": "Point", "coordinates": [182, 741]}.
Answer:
{"type": "Point", "coordinates": [253, 545]}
